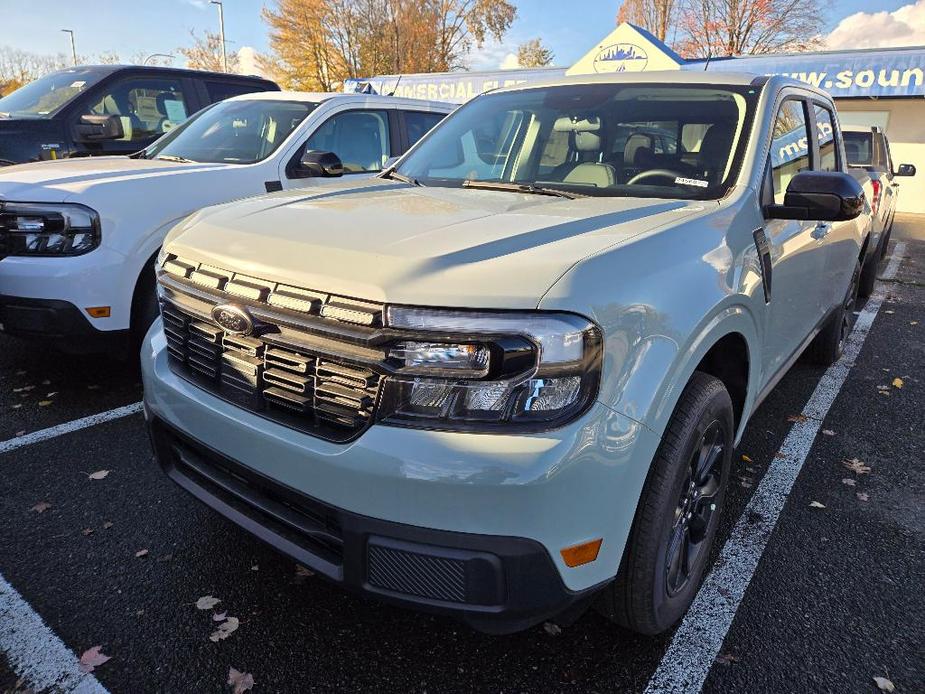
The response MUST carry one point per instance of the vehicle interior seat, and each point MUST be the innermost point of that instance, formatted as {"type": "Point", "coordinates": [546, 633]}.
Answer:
{"type": "Point", "coordinates": [586, 143]}
{"type": "Point", "coordinates": [715, 150]}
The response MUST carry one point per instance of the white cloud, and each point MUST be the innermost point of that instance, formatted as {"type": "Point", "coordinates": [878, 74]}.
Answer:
{"type": "Point", "coordinates": [904, 27]}
{"type": "Point", "coordinates": [494, 55]}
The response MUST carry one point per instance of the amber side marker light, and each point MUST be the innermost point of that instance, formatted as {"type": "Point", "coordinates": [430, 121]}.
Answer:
{"type": "Point", "coordinates": [584, 553]}
{"type": "Point", "coordinates": [99, 311]}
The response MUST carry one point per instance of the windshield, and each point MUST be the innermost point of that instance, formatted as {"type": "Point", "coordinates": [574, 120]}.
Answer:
{"type": "Point", "coordinates": [43, 97]}
{"type": "Point", "coordinates": [859, 148]}
{"type": "Point", "coordinates": [649, 140]}
{"type": "Point", "coordinates": [232, 132]}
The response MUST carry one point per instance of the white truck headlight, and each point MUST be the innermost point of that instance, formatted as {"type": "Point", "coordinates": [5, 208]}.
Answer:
{"type": "Point", "coordinates": [489, 371]}
{"type": "Point", "coordinates": [45, 229]}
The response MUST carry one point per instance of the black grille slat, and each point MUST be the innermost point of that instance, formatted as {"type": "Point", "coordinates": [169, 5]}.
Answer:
{"type": "Point", "coordinates": [331, 399]}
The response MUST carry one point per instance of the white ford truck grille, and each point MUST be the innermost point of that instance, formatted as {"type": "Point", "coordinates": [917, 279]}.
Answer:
{"type": "Point", "coordinates": [308, 363]}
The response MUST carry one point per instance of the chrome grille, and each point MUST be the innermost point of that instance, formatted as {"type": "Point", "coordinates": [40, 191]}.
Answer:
{"type": "Point", "coordinates": [279, 373]}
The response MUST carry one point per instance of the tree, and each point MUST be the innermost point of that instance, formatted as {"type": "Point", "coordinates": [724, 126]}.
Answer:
{"type": "Point", "coordinates": [206, 53]}
{"type": "Point", "coordinates": [21, 67]}
{"type": "Point", "coordinates": [317, 44]}
{"type": "Point", "coordinates": [749, 27]}
{"type": "Point", "coordinates": [655, 16]}
{"type": "Point", "coordinates": [533, 53]}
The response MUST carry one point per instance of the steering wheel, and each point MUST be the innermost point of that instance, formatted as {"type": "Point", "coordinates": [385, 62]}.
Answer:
{"type": "Point", "coordinates": [654, 173]}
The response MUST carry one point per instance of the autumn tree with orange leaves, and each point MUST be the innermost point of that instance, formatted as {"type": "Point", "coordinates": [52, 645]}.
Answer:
{"type": "Point", "coordinates": [749, 27]}
{"type": "Point", "coordinates": [655, 16]}
{"type": "Point", "coordinates": [317, 44]}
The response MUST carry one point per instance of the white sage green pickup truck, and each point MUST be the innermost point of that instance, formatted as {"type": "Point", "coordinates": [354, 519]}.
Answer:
{"type": "Point", "coordinates": [505, 378]}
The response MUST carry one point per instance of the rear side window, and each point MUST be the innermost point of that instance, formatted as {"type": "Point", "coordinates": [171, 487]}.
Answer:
{"type": "Point", "coordinates": [789, 146]}
{"type": "Point", "coordinates": [418, 123]}
{"type": "Point", "coordinates": [825, 132]}
{"type": "Point", "coordinates": [219, 91]}
{"type": "Point", "coordinates": [859, 148]}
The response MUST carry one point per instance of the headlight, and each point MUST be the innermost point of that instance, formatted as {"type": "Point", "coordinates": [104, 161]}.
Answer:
{"type": "Point", "coordinates": [39, 229]}
{"type": "Point", "coordinates": [489, 371]}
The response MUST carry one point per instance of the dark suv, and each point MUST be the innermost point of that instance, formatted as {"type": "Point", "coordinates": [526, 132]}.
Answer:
{"type": "Point", "coordinates": [107, 109]}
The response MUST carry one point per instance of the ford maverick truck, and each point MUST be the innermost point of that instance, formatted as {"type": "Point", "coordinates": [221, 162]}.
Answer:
{"type": "Point", "coordinates": [78, 237]}
{"type": "Point", "coordinates": [503, 380]}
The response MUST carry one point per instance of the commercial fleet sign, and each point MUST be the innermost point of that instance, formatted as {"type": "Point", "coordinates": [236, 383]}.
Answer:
{"type": "Point", "coordinates": [865, 73]}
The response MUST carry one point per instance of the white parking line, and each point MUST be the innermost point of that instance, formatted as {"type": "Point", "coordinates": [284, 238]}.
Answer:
{"type": "Point", "coordinates": [35, 653]}
{"type": "Point", "coordinates": [696, 643]}
{"type": "Point", "coordinates": [68, 427]}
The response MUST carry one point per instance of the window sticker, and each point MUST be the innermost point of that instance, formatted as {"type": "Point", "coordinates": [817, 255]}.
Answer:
{"type": "Point", "coordinates": [691, 182]}
{"type": "Point", "coordinates": [79, 84]}
{"type": "Point", "coordinates": [176, 110]}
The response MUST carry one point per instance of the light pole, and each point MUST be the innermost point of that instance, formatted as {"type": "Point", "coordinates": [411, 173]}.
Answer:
{"type": "Point", "coordinates": [73, 46]}
{"type": "Point", "coordinates": [221, 31]}
{"type": "Point", "coordinates": [156, 55]}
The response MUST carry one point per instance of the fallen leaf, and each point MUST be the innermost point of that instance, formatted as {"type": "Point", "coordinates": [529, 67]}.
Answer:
{"type": "Point", "coordinates": [241, 681]}
{"type": "Point", "coordinates": [726, 659]}
{"type": "Point", "coordinates": [862, 496]}
{"type": "Point", "coordinates": [87, 531]}
{"type": "Point", "coordinates": [889, 310]}
{"type": "Point", "coordinates": [141, 553]}
{"type": "Point", "coordinates": [798, 418]}
{"type": "Point", "coordinates": [107, 525]}
{"type": "Point", "coordinates": [20, 433]}
{"type": "Point", "coordinates": [884, 684]}
{"type": "Point", "coordinates": [849, 481]}
{"type": "Point", "coordinates": [816, 504]}
{"type": "Point", "coordinates": [828, 432]}
{"type": "Point", "coordinates": [41, 507]}
{"type": "Point", "coordinates": [303, 571]}
{"type": "Point", "coordinates": [92, 658]}
{"type": "Point", "coordinates": [913, 322]}
{"type": "Point", "coordinates": [225, 629]}
{"type": "Point", "coordinates": [44, 403]}
{"type": "Point", "coordinates": [98, 475]}
{"type": "Point", "coordinates": [746, 459]}
{"type": "Point", "coordinates": [52, 394]}
{"type": "Point", "coordinates": [897, 383]}
{"type": "Point", "coordinates": [220, 617]}
{"type": "Point", "coordinates": [254, 567]}
{"type": "Point", "coordinates": [206, 602]}
{"type": "Point", "coordinates": [856, 466]}
{"type": "Point", "coordinates": [552, 629]}
{"type": "Point", "coordinates": [17, 406]}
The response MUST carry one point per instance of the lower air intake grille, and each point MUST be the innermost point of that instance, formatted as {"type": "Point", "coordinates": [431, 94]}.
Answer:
{"type": "Point", "coordinates": [324, 397]}
{"type": "Point", "coordinates": [437, 578]}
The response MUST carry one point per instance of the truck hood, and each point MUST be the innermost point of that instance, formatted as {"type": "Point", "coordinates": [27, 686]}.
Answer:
{"type": "Point", "coordinates": [389, 242]}
{"type": "Point", "coordinates": [94, 180]}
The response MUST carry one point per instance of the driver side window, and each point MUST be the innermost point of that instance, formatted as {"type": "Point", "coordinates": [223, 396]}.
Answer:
{"type": "Point", "coordinates": [359, 138]}
{"type": "Point", "coordinates": [147, 108]}
{"type": "Point", "coordinates": [789, 146]}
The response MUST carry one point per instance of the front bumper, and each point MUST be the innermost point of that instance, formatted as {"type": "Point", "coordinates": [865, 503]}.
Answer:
{"type": "Point", "coordinates": [99, 278]}
{"type": "Point", "coordinates": [57, 322]}
{"type": "Point", "coordinates": [498, 508]}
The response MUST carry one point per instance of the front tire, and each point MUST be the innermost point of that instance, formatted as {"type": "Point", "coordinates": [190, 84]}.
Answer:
{"type": "Point", "coordinates": [678, 514]}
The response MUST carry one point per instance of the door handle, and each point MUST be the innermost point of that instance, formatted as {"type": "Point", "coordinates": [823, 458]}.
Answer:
{"type": "Point", "coordinates": [820, 230]}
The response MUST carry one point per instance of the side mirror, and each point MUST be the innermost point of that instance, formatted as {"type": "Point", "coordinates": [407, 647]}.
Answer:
{"type": "Point", "coordinates": [829, 196]}
{"type": "Point", "coordinates": [96, 128]}
{"type": "Point", "coordinates": [325, 164]}
{"type": "Point", "coordinates": [905, 170]}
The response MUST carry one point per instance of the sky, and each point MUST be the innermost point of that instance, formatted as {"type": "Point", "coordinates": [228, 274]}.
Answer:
{"type": "Point", "coordinates": [569, 28]}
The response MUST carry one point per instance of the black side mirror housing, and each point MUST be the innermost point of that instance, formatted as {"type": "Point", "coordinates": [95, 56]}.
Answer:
{"type": "Point", "coordinates": [905, 170]}
{"type": "Point", "coordinates": [829, 196]}
{"type": "Point", "coordinates": [318, 163]}
{"type": "Point", "coordinates": [97, 128]}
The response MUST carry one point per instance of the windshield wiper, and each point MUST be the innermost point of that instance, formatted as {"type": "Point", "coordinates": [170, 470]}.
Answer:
{"type": "Point", "coordinates": [522, 188]}
{"type": "Point", "coordinates": [392, 173]}
{"type": "Point", "coordinates": [174, 157]}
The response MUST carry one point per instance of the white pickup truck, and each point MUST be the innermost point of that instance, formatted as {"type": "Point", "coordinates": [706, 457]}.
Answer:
{"type": "Point", "coordinates": [78, 236]}
{"type": "Point", "coordinates": [505, 378]}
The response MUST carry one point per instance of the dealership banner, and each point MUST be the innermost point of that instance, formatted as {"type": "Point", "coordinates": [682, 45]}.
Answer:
{"type": "Point", "coordinates": [881, 72]}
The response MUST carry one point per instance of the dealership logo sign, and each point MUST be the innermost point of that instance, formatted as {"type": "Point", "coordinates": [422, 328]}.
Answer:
{"type": "Point", "coordinates": [621, 57]}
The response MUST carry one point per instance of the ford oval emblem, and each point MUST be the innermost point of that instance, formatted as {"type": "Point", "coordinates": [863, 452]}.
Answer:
{"type": "Point", "coordinates": [233, 319]}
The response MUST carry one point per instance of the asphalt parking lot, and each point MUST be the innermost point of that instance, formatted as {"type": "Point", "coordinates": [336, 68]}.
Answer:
{"type": "Point", "coordinates": [835, 598]}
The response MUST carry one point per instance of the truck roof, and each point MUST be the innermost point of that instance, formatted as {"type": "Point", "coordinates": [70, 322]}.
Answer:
{"type": "Point", "coordinates": [106, 70]}
{"type": "Point", "coordinates": [318, 97]}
